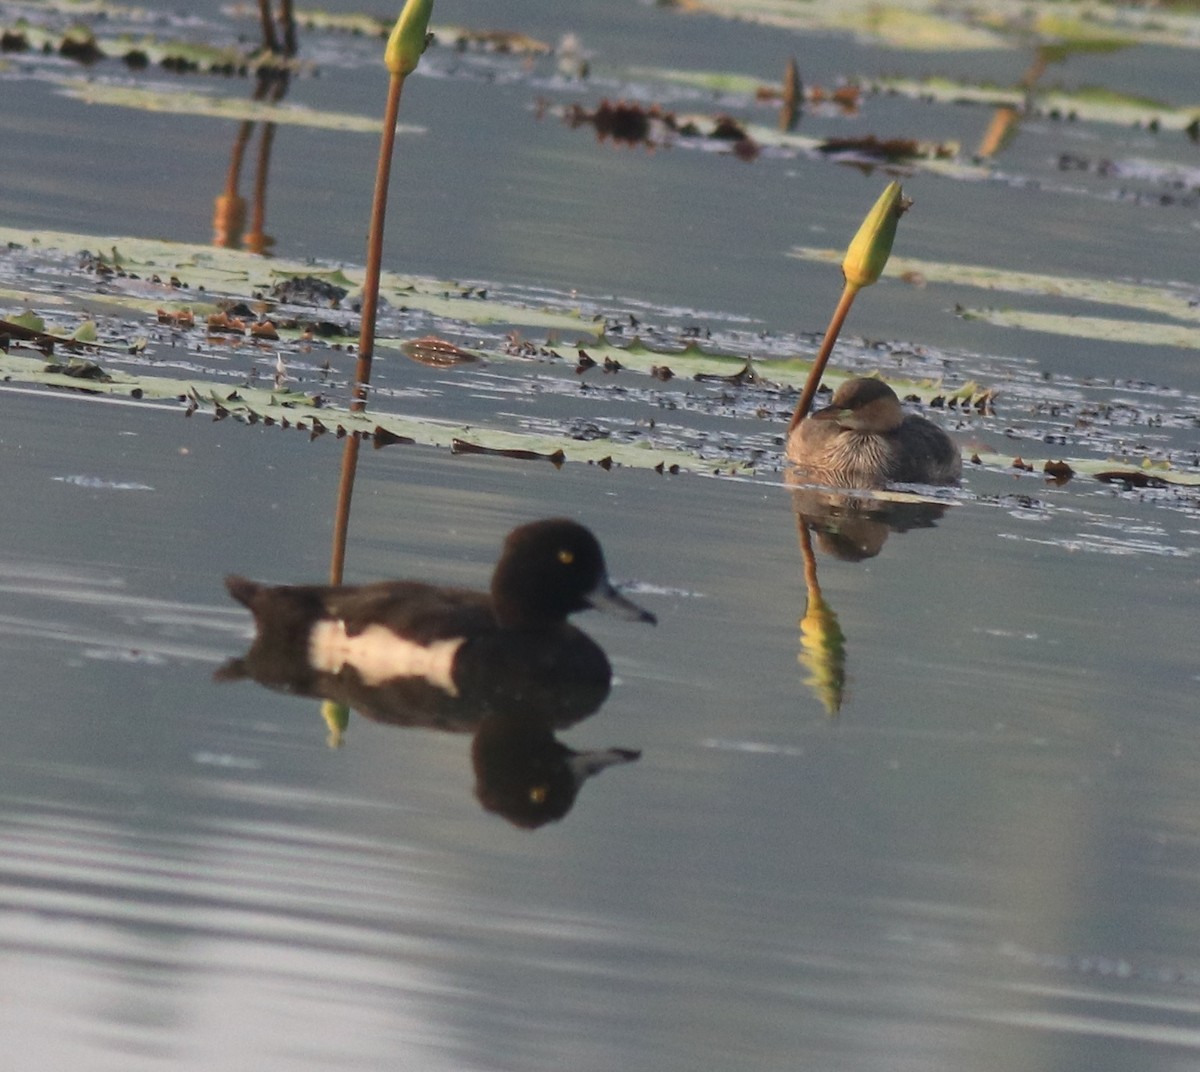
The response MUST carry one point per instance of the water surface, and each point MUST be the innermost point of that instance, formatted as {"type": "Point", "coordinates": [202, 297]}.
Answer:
{"type": "Point", "coordinates": [987, 860]}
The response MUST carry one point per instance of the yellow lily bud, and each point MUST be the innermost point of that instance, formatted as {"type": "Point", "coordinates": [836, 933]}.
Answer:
{"type": "Point", "coordinates": [871, 247]}
{"type": "Point", "coordinates": [408, 38]}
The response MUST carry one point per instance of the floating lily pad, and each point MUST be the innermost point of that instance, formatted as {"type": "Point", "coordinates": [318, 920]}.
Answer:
{"type": "Point", "coordinates": [300, 411]}
{"type": "Point", "coordinates": [1163, 298]}
{"type": "Point", "coordinates": [933, 26]}
{"type": "Point", "coordinates": [140, 273]}
{"type": "Point", "coordinates": [919, 25]}
{"type": "Point", "coordinates": [212, 106]}
{"type": "Point", "coordinates": [736, 384]}
{"type": "Point", "coordinates": [1094, 104]}
{"type": "Point", "coordinates": [1100, 328]}
{"type": "Point", "coordinates": [1134, 472]}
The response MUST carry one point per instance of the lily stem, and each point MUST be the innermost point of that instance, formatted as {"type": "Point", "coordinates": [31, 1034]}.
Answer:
{"type": "Point", "coordinates": [818, 370]}
{"type": "Point", "coordinates": [370, 301]}
{"type": "Point", "coordinates": [366, 331]}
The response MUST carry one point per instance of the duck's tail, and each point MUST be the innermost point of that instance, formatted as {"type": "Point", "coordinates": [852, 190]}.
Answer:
{"type": "Point", "coordinates": [283, 620]}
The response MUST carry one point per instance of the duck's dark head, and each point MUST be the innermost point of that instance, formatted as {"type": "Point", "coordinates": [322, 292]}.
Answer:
{"type": "Point", "coordinates": [864, 405]}
{"type": "Point", "coordinates": [549, 569]}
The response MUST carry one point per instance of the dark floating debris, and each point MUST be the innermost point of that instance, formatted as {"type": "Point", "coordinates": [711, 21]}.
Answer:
{"type": "Point", "coordinates": [177, 318]}
{"type": "Point", "coordinates": [1132, 478]}
{"type": "Point", "coordinates": [1059, 472]}
{"type": "Point", "coordinates": [224, 324]}
{"type": "Point", "coordinates": [309, 290]}
{"type": "Point", "coordinates": [630, 123]}
{"type": "Point", "coordinates": [81, 370]}
{"type": "Point", "coordinates": [887, 150]}
{"type": "Point", "coordinates": [79, 44]}
{"type": "Point", "coordinates": [430, 350]}
{"type": "Point", "coordinates": [381, 437]}
{"type": "Point", "coordinates": [461, 446]}
{"type": "Point", "coordinates": [503, 42]}
{"type": "Point", "coordinates": [744, 375]}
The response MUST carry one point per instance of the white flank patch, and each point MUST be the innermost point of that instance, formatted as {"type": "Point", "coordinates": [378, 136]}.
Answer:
{"type": "Point", "coordinates": [378, 655]}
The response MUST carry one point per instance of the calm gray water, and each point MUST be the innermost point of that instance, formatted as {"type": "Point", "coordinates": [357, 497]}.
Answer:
{"type": "Point", "coordinates": [987, 861]}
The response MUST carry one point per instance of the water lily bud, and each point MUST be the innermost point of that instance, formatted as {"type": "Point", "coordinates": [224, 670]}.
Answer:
{"type": "Point", "coordinates": [408, 38]}
{"type": "Point", "coordinates": [871, 247]}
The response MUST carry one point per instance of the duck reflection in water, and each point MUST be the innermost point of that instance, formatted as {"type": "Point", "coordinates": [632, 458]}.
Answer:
{"type": "Point", "coordinates": [864, 439]}
{"type": "Point", "coordinates": [524, 773]}
{"type": "Point", "coordinates": [413, 654]}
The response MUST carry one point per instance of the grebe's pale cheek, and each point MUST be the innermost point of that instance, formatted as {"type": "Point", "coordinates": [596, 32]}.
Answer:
{"type": "Point", "coordinates": [377, 655]}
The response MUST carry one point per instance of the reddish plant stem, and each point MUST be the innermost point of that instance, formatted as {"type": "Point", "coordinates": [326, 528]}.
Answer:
{"type": "Point", "coordinates": [370, 303]}
{"type": "Point", "coordinates": [818, 370]}
{"type": "Point", "coordinates": [366, 333]}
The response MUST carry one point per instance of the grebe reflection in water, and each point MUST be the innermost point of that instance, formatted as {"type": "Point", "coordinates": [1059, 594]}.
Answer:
{"type": "Point", "coordinates": [863, 438]}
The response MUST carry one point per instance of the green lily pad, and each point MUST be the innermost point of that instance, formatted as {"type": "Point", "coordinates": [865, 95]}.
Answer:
{"type": "Point", "coordinates": [933, 26]}
{"type": "Point", "coordinates": [1094, 104]}
{"type": "Point", "coordinates": [205, 272]}
{"type": "Point", "coordinates": [1164, 298]}
{"type": "Point", "coordinates": [300, 411]}
{"type": "Point", "coordinates": [918, 25]}
{"type": "Point", "coordinates": [1101, 328]}
{"type": "Point", "coordinates": [1136, 473]}
{"type": "Point", "coordinates": [209, 105]}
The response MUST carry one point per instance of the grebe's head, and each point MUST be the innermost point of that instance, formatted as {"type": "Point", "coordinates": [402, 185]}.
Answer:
{"type": "Point", "coordinates": [865, 405]}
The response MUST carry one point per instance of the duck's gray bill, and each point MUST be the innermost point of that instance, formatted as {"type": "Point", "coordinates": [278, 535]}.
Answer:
{"type": "Point", "coordinates": [606, 598]}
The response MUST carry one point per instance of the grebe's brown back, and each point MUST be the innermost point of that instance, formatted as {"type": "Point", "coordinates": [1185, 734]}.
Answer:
{"type": "Point", "coordinates": [863, 438]}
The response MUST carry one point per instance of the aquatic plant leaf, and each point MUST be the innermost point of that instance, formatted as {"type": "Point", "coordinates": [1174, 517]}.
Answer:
{"type": "Point", "coordinates": [28, 320]}
{"type": "Point", "coordinates": [430, 350]}
{"type": "Point", "coordinates": [29, 327]}
{"type": "Point", "coordinates": [316, 19]}
{"type": "Point", "coordinates": [728, 82]}
{"type": "Point", "coordinates": [1110, 469]}
{"type": "Point", "coordinates": [1101, 328]}
{"type": "Point", "coordinates": [652, 125]}
{"type": "Point", "coordinates": [509, 42]}
{"type": "Point", "coordinates": [917, 25]}
{"type": "Point", "coordinates": [82, 44]}
{"type": "Point", "coordinates": [293, 409]}
{"type": "Point", "coordinates": [1096, 105]}
{"type": "Point", "coordinates": [209, 105]}
{"type": "Point", "coordinates": [694, 362]}
{"type": "Point", "coordinates": [1163, 298]}
{"type": "Point", "coordinates": [930, 25]}
{"type": "Point", "coordinates": [131, 265]}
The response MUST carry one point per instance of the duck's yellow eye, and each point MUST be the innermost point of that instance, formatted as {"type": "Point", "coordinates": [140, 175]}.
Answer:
{"type": "Point", "coordinates": [566, 557]}
{"type": "Point", "coordinates": [537, 794]}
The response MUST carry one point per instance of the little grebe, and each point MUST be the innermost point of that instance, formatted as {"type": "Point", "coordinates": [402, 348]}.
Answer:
{"type": "Point", "coordinates": [863, 438]}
